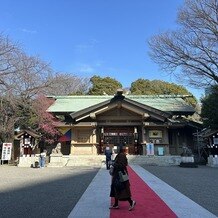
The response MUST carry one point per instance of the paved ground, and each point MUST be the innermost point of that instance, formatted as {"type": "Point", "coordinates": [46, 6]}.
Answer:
{"type": "Point", "coordinates": [47, 192]}
{"type": "Point", "coordinates": [54, 192]}
{"type": "Point", "coordinates": [181, 205]}
{"type": "Point", "coordinates": [199, 184]}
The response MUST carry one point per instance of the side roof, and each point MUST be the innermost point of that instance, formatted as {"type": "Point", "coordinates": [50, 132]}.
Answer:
{"type": "Point", "coordinates": [29, 132]}
{"type": "Point", "coordinates": [173, 104]}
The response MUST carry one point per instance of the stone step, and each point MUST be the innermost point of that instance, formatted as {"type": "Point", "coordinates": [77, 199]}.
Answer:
{"type": "Point", "coordinates": [154, 160]}
{"type": "Point", "coordinates": [84, 160]}
{"type": "Point", "coordinates": [98, 160]}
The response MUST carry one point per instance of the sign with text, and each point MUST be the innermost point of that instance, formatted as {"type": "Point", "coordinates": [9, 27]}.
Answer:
{"type": "Point", "coordinates": [150, 148]}
{"type": "Point", "coordinates": [6, 151]}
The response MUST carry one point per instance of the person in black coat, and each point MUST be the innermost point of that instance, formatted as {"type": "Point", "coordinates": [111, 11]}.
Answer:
{"type": "Point", "coordinates": [120, 190]}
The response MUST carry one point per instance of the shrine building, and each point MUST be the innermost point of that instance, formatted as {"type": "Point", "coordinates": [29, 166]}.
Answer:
{"type": "Point", "coordinates": [89, 123]}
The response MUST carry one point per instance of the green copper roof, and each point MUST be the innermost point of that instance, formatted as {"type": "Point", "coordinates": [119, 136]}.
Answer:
{"type": "Point", "coordinates": [166, 103]}
{"type": "Point", "coordinates": [75, 103]}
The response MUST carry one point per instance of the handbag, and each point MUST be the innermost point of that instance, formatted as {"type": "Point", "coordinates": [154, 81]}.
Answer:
{"type": "Point", "coordinates": [123, 176]}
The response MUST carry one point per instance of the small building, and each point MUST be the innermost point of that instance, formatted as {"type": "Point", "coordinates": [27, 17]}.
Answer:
{"type": "Point", "coordinates": [26, 141]}
{"type": "Point", "coordinates": [145, 124]}
{"type": "Point", "coordinates": [210, 138]}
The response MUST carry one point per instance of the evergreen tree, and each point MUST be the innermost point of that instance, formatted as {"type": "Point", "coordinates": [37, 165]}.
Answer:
{"type": "Point", "coordinates": [209, 110]}
{"type": "Point", "coordinates": [103, 86]}
{"type": "Point", "coordinates": [158, 87]}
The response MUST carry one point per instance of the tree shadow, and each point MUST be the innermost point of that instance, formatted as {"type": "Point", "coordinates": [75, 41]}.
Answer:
{"type": "Point", "coordinates": [50, 197]}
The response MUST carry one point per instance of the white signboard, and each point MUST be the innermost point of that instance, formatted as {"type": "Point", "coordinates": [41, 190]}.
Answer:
{"type": "Point", "coordinates": [6, 151]}
{"type": "Point", "coordinates": [150, 148]}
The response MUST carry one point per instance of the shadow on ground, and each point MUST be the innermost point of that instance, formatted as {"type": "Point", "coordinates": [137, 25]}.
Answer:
{"type": "Point", "coordinates": [40, 193]}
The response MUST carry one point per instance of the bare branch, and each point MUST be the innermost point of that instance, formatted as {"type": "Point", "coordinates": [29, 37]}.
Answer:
{"type": "Point", "coordinates": [191, 51]}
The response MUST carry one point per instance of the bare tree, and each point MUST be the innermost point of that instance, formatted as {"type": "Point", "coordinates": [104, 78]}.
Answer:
{"type": "Point", "coordinates": [20, 74]}
{"type": "Point", "coordinates": [191, 52]}
{"type": "Point", "coordinates": [9, 57]}
{"type": "Point", "coordinates": [7, 119]}
{"type": "Point", "coordinates": [22, 79]}
{"type": "Point", "coordinates": [65, 84]}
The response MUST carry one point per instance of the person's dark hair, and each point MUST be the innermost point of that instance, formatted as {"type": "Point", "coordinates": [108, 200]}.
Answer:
{"type": "Point", "coordinates": [121, 149]}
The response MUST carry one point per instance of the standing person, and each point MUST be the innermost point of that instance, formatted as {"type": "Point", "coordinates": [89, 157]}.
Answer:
{"type": "Point", "coordinates": [42, 159]}
{"type": "Point", "coordinates": [121, 193]}
{"type": "Point", "coordinates": [108, 154]}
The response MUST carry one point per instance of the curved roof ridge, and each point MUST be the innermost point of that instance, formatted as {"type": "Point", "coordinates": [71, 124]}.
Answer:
{"type": "Point", "coordinates": [80, 96]}
{"type": "Point", "coordinates": [111, 96]}
{"type": "Point", "coordinates": [159, 96]}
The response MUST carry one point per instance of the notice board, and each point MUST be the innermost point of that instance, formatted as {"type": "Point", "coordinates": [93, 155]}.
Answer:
{"type": "Point", "coordinates": [6, 151]}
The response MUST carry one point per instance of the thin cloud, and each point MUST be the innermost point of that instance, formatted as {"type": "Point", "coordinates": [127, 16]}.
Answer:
{"type": "Point", "coordinates": [91, 68]}
{"type": "Point", "coordinates": [82, 47]}
{"type": "Point", "coordinates": [86, 46]}
{"type": "Point", "coordinates": [85, 68]}
{"type": "Point", "coordinates": [28, 31]}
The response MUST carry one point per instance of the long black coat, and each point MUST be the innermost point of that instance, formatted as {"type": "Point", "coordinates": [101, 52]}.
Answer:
{"type": "Point", "coordinates": [120, 164]}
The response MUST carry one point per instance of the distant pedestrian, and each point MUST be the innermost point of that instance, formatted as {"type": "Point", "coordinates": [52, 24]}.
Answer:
{"type": "Point", "coordinates": [120, 190]}
{"type": "Point", "coordinates": [42, 159]}
{"type": "Point", "coordinates": [108, 154]}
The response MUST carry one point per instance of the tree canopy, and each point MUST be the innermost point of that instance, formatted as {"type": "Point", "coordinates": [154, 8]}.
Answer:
{"type": "Point", "coordinates": [190, 52]}
{"type": "Point", "coordinates": [103, 86]}
{"type": "Point", "coordinates": [109, 86]}
{"type": "Point", "coordinates": [158, 87]}
{"type": "Point", "coordinates": [209, 111]}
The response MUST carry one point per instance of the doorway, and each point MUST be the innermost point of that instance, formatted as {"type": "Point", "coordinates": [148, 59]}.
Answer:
{"type": "Point", "coordinates": [115, 136]}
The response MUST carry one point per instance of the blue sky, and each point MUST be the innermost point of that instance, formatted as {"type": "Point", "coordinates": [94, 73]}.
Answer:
{"type": "Point", "coordinates": [92, 37]}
